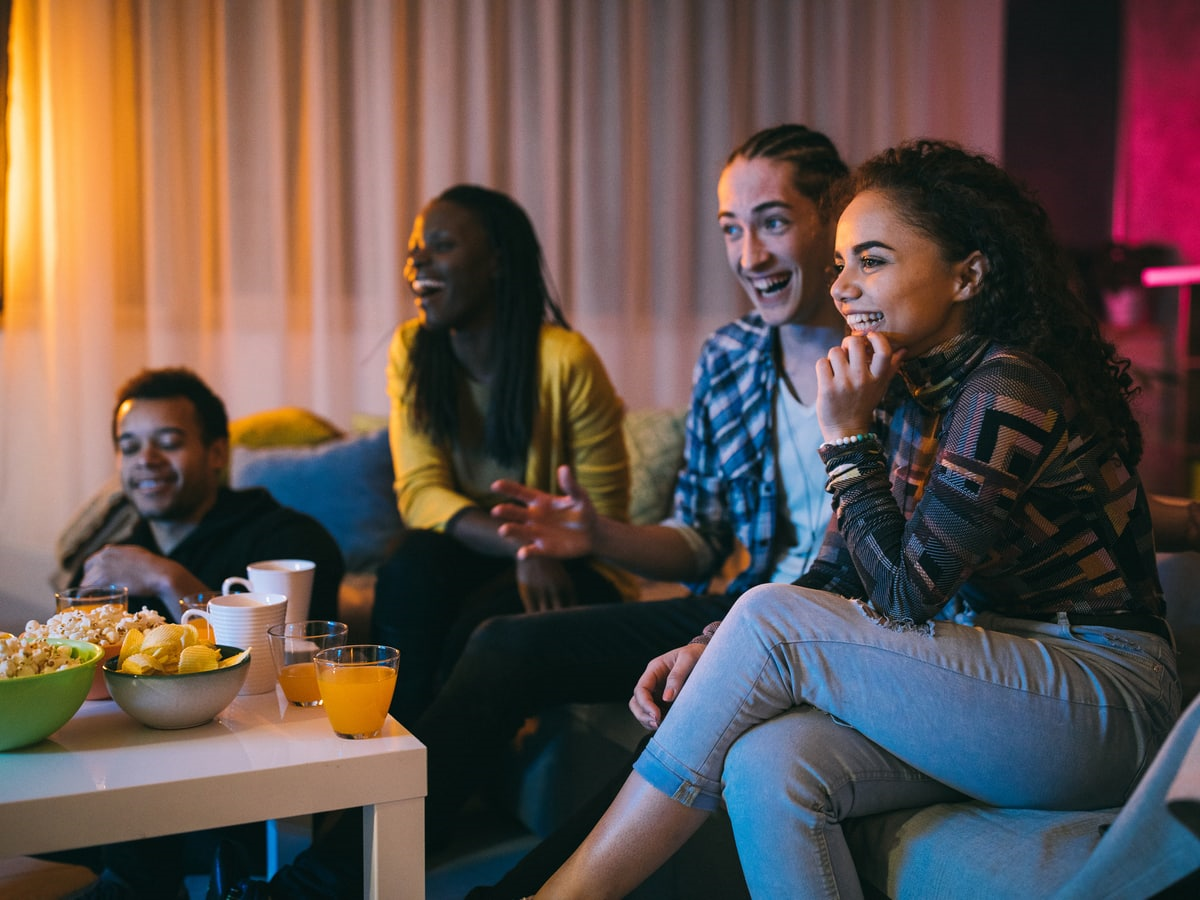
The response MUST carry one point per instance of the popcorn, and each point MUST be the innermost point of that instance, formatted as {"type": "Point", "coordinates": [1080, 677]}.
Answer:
{"type": "Point", "coordinates": [32, 654]}
{"type": "Point", "coordinates": [105, 625]}
{"type": "Point", "coordinates": [20, 657]}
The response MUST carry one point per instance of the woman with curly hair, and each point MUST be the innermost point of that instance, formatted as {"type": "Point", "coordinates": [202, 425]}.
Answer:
{"type": "Point", "coordinates": [984, 620]}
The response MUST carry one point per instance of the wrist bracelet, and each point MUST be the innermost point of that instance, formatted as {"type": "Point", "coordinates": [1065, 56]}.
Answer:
{"type": "Point", "coordinates": [849, 440]}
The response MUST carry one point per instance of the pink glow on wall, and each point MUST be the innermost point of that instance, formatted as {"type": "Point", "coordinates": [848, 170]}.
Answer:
{"type": "Point", "coordinates": [1157, 191]}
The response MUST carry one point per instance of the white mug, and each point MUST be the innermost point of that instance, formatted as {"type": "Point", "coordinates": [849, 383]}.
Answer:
{"type": "Point", "coordinates": [291, 577]}
{"type": "Point", "coordinates": [242, 620]}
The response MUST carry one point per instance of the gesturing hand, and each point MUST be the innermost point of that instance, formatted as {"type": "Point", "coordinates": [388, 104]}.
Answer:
{"type": "Point", "coordinates": [562, 527]}
{"type": "Point", "coordinates": [661, 682]}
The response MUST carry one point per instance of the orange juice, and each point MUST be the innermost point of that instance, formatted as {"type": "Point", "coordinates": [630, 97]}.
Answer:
{"type": "Point", "coordinates": [82, 606]}
{"type": "Point", "coordinates": [299, 683]}
{"type": "Point", "coordinates": [356, 697]}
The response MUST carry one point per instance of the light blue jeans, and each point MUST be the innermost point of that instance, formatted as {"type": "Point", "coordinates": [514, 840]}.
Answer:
{"type": "Point", "coordinates": [808, 708]}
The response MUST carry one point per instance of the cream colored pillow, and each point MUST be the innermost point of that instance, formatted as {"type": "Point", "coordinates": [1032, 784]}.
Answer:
{"type": "Point", "coordinates": [654, 441]}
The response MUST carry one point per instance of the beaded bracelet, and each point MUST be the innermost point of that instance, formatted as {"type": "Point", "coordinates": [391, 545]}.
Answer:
{"type": "Point", "coordinates": [849, 440]}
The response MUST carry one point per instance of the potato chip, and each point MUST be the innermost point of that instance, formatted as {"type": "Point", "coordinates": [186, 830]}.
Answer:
{"type": "Point", "coordinates": [198, 658]}
{"type": "Point", "coordinates": [131, 645]}
{"type": "Point", "coordinates": [170, 649]}
{"type": "Point", "coordinates": [169, 635]}
{"type": "Point", "coordinates": [141, 664]}
{"type": "Point", "coordinates": [235, 659]}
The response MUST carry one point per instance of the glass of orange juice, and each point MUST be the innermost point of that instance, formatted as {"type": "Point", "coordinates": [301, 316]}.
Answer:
{"type": "Point", "coordinates": [356, 682]}
{"type": "Point", "coordinates": [293, 646]}
{"type": "Point", "coordinates": [199, 601]}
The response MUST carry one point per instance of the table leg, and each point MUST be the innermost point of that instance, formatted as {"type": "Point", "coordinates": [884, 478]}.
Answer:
{"type": "Point", "coordinates": [394, 850]}
{"type": "Point", "coordinates": [285, 839]}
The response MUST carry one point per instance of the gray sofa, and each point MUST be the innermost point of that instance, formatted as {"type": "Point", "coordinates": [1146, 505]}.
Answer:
{"type": "Point", "coordinates": [964, 851]}
{"type": "Point", "coordinates": [960, 850]}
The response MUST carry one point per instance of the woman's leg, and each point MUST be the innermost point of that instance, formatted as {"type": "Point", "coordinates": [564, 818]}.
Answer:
{"type": "Point", "coordinates": [638, 833]}
{"type": "Point", "coordinates": [500, 596]}
{"type": "Point", "coordinates": [418, 596]}
{"type": "Point", "coordinates": [517, 666]}
{"type": "Point", "coordinates": [787, 812]}
{"type": "Point", "coordinates": [1050, 717]}
{"type": "Point", "coordinates": [1041, 715]}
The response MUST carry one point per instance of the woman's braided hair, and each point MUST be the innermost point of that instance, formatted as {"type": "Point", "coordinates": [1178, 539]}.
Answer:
{"type": "Point", "coordinates": [524, 299]}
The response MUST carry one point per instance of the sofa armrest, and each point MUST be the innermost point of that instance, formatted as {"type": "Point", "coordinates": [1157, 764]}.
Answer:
{"type": "Point", "coordinates": [1164, 848]}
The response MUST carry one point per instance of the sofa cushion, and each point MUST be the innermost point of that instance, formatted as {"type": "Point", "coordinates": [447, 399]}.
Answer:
{"type": "Point", "coordinates": [286, 426]}
{"type": "Point", "coordinates": [963, 851]}
{"type": "Point", "coordinates": [956, 851]}
{"type": "Point", "coordinates": [345, 484]}
{"type": "Point", "coordinates": [1180, 575]}
{"type": "Point", "coordinates": [654, 441]}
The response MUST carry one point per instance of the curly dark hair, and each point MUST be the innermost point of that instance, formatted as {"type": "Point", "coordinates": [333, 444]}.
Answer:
{"type": "Point", "coordinates": [816, 165]}
{"type": "Point", "coordinates": [524, 300]}
{"type": "Point", "coordinates": [172, 382]}
{"type": "Point", "coordinates": [1027, 300]}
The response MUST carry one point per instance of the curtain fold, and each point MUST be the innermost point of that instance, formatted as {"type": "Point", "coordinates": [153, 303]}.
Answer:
{"type": "Point", "coordinates": [230, 185]}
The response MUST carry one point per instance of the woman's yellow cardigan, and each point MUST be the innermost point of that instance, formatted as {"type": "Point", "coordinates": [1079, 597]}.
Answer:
{"type": "Point", "coordinates": [577, 423]}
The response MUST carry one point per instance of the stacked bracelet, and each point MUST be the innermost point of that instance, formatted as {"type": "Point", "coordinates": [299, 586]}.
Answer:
{"type": "Point", "coordinates": [849, 440]}
{"type": "Point", "coordinates": [707, 634]}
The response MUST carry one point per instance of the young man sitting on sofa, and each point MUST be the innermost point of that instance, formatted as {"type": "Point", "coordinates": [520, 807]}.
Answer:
{"type": "Point", "coordinates": [175, 530]}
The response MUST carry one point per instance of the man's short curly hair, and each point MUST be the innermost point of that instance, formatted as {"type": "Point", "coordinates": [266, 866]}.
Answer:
{"type": "Point", "coordinates": [167, 383]}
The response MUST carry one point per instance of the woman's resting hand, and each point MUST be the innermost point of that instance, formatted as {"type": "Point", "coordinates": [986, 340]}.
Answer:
{"type": "Point", "coordinates": [544, 584]}
{"type": "Point", "coordinates": [661, 683]}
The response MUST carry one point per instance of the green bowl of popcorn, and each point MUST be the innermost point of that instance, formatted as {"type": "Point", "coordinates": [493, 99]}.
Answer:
{"type": "Point", "coordinates": [42, 684]}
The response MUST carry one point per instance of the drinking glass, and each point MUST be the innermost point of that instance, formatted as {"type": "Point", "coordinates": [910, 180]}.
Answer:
{"type": "Point", "coordinates": [199, 601]}
{"type": "Point", "coordinates": [85, 599]}
{"type": "Point", "coordinates": [293, 646]}
{"type": "Point", "coordinates": [75, 617]}
{"type": "Point", "coordinates": [356, 683]}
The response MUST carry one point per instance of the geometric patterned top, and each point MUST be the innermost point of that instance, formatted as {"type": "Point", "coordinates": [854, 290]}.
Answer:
{"type": "Point", "coordinates": [982, 490]}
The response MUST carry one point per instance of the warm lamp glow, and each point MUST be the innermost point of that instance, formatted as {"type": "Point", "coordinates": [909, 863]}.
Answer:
{"type": "Point", "coordinates": [20, 206]}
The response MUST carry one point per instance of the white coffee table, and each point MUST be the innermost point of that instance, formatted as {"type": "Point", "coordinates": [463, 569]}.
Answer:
{"type": "Point", "coordinates": [103, 778]}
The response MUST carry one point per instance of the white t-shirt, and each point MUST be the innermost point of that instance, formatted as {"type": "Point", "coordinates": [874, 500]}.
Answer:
{"type": "Point", "coordinates": [804, 507]}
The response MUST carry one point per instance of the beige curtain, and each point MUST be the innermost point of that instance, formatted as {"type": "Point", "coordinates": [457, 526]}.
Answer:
{"type": "Point", "coordinates": [229, 185]}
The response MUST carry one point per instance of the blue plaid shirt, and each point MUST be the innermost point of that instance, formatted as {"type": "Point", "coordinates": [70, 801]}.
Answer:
{"type": "Point", "coordinates": [727, 488]}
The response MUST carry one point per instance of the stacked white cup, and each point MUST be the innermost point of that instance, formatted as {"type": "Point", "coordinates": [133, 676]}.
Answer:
{"type": "Point", "coordinates": [291, 577]}
{"type": "Point", "coordinates": [242, 620]}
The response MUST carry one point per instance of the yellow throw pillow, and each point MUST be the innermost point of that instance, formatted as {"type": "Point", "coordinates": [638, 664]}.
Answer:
{"type": "Point", "coordinates": [288, 426]}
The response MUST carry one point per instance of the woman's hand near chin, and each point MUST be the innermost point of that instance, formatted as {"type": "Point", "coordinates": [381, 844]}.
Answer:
{"type": "Point", "coordinates": [851, 381]}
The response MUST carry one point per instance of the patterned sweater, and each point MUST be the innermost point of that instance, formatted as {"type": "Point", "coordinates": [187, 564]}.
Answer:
{"type": "Point", "coordinates": [985, 492]}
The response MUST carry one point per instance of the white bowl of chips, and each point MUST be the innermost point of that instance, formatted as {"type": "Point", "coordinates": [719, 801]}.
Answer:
{"type": "Point", "coordinates": [183, 685]}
